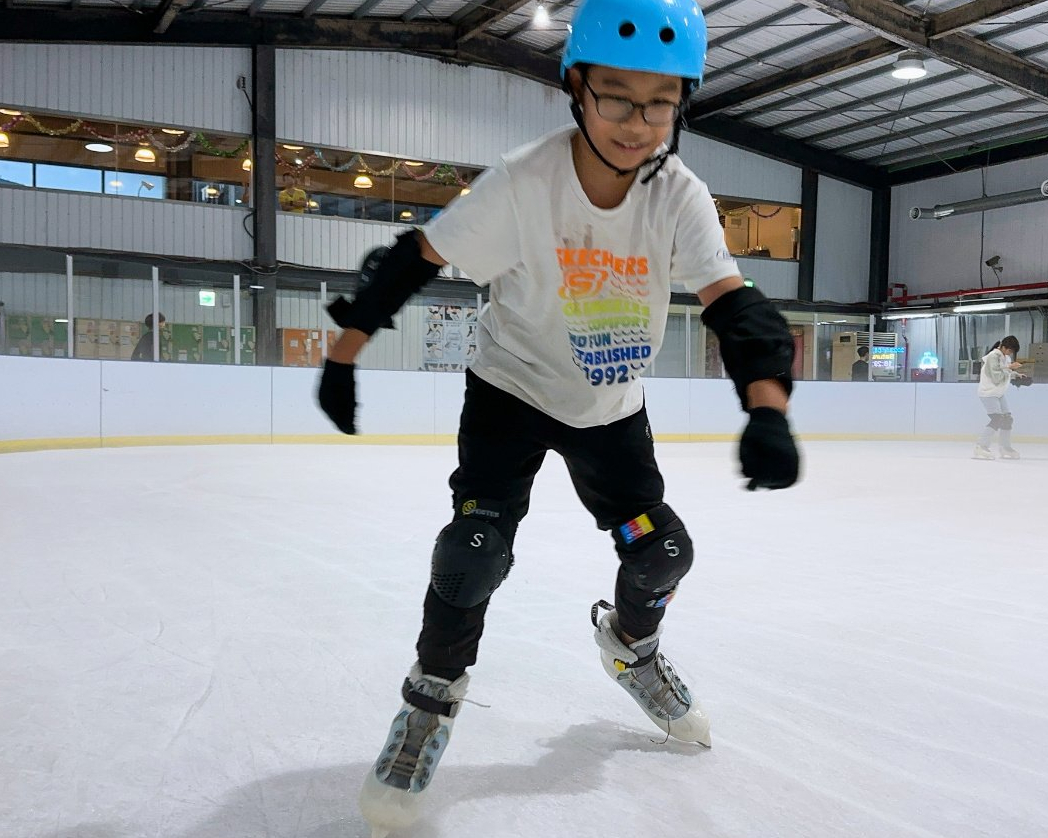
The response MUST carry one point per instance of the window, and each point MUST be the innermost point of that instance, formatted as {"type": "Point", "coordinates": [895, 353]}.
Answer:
{"type": "Point", "coordinates": [754, 229]}
{"type": "Point", "coordinates": [20, 174]}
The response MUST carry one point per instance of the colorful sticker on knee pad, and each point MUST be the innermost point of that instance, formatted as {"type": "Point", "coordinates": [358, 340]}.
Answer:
{"type": "Point", "coordinates": [663, 602]}
{"type": "Point", "coordinates": [637, 528]}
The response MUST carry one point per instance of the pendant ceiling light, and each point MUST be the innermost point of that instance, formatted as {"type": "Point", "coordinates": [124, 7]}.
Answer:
{"type": "Point", "coordinates": [363, 182]}
{"type": "Point", "coordinates": [909, 65]}
{"type": "Point", "coordinates": [145, 155]}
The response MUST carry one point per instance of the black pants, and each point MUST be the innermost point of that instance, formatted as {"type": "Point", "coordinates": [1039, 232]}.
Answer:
{"type": "Point", "coordinates": [502, 442]}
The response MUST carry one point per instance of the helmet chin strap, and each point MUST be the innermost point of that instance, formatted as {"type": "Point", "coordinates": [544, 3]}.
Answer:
{"type": "Point", "coordinates": [658, 161]}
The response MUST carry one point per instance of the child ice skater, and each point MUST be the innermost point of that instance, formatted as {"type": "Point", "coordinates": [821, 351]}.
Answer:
{"type": "Point", "coordinates": [998, 369]}
{"type": "Point", "coordinates": [578, 236]}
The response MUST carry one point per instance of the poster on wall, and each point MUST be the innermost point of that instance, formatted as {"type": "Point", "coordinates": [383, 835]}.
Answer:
{"type": "Point", "coordinates": [450, 338]}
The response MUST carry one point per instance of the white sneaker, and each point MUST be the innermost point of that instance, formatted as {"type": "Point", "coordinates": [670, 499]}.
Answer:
{"type": "Point", "coordinates": [982, 453]}
{"type": "Point", "coordinates": [1009, 454]}
{"type": "Point", "coordinates": [650, 680]}
{"type": "Point", "coordinates": [395, 786]}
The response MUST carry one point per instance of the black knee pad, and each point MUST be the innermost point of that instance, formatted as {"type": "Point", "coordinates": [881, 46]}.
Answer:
{"type": "Point", "coordinates": [995, 421]}
{"type": "Point", "coordinates": [655, 550]}
{"type": "Point", "coordinates": [1006, 422]}
{"type": "Point", "coordinates": [470, 560]}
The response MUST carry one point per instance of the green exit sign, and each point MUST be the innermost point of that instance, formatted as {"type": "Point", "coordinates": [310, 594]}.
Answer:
{"type": "Point", "coordinates": [207, 298]}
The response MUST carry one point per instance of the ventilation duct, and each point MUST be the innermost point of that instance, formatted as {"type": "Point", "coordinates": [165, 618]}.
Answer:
{"type": "Point", "coordinates": [1009, 199]}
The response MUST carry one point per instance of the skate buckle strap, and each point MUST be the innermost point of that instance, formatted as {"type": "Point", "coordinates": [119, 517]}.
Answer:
{"type": "Point", "coordinates": [427, 702]}
{"type": "Point", "coordinates": [621, 665]}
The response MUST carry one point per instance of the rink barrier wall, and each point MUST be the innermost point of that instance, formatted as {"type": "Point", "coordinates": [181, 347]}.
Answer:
{"type": "Point", "coordinates": [58, 404]}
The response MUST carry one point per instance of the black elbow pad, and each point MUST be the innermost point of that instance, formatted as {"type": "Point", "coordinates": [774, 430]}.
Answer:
{"type": "Point", "coordinates": [399, 274]}
{"type": "Point", "coordinates": [755, 341]}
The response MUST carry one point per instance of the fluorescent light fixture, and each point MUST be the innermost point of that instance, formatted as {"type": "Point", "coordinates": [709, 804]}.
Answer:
{"type": "Point", "coordinates": [293, 147]}
{"type": "Point", "coordinates": [909, 65]}
{"type": "Point", "coordinates": [413, 163]}
{"type": "Point", "coordinates": [145, 155]}
{"type": "Point", "coordinates": [258, 287]}
{"type": "Point", "coordinates": [207, 298]}
{"type": "Point", "coordinates": [541, 17]}
{"type": "Point", "coordinates": [5, 141]}
{"type": "Point", "coordinates": [363, 182]}
{"type": "Point", "coordinates": [98, 148]}
{"type": "Point", "coordinates": [909, 315]}
{"type": "Point", "coordinates": [174, 132]}
{"type": "Point", "coordinates": [61, 319]}
{"type": "Point", "coordinates": [9, 112]}
{"type": "Point", "coordinates": [981, 307]}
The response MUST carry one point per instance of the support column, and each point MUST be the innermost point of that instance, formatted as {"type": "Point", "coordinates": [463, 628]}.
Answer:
{"type": "Point", "coordinates": [264, 171]}
{"type": "Point", "coordinates": [809, 206]}
{"type": "Point", "coordinates": [880, 239]}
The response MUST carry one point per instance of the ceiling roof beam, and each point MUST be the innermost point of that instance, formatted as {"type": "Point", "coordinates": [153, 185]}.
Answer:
{"type": "Point", "coordinates": [787, 150]}
{"type": "Point", "coordinates": [416, 10]}
{"type": "Point", "coordinates": [226, 29]}
{"type": "Point", "coordinates": [928, 127]}
{"type": "Point", "coordinates": [810, 71]}
{"type": "Point", "coordinates": [887, 115]}
{"type": "Point", "coordinates": [474, 21]}
{"type": "Point", "coordinates": [970, 14]}
{"type": "Point", "coordinates": [968, 143]}
{"type": "Point", "coordinates": [1017, 148]}
{"type": "Point", "coordinates": [166, 13]}
{"type": "Point", "coordinates": [512, 56]}
{"type": "Point", "coordinates": [909, 29]}
{"type": "Point", "coordinates": [859, 78]}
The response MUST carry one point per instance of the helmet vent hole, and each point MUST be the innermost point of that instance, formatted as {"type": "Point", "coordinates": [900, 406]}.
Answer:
{"type": "Point", "coordinates": [627, 29]}
{"type": "Point", "coordinates": [667, 35]}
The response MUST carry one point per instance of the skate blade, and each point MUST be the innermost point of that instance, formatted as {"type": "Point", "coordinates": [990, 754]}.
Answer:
{"type": "Point", "coordinates": [388, 809]}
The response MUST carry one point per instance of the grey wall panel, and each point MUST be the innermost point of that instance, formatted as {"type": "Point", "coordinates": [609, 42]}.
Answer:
{"type": "Point", "coordinates": [33, 293]}
{"type": "Point", "coordinates": [68, 219]}
{"type": "Point", "coordinates": [777, 279]}
{"type": "Point", "coordinates": [334, 243]}
{"type": "Point", "coordinates": [731, 171]}
{"type": "Point", "coordinates": [192, 87]}
{"type": "Point", "coordinates": [410, 107]}
{"type": "Point", "coordinates": [948, 254]}
{"type": "Point", "coordinates": [842, 244]}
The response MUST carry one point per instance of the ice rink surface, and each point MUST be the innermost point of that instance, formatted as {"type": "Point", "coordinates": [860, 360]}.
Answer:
{"type": "Point", "coordinates": [209, 642]}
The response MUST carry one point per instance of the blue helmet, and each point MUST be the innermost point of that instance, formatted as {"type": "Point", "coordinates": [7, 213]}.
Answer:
{"type": "Point", "coordinates": [654, 36]}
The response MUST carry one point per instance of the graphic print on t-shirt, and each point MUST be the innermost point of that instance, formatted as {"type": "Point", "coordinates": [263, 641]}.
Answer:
{"type": "Point", "coordinates": [604, 300]}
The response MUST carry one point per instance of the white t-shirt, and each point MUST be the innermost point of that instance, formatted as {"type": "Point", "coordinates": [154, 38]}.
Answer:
{"type": "Point", "coordinates": [578, 295]}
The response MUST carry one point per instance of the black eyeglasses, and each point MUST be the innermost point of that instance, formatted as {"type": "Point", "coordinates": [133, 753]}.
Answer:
{"type": "Point", "coordinates": [658, 114]}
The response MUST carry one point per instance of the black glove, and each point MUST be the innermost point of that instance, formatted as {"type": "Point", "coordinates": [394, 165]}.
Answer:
{"type": "Point", "coordinates": [767, 451]}
{"type": "Point", "coordinates": [1022, 381]}
{"type": "Point", "coordinates": [337, 395]}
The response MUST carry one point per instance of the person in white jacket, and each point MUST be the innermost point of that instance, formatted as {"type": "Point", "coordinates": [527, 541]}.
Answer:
{"type": "Point", "coordinates": [998, 369]}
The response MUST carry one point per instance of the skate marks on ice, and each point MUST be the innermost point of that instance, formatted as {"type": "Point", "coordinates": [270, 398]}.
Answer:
{"type": "Point", "coordinates": [322, 802]}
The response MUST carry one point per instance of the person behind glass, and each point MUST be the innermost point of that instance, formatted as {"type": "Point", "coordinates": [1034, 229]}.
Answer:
{"type": "Point", "coordinates": [998, 369]}
{"type": "Point", "coordinates": [861, 368]}
{"type": "Point", "coordinates": [143, 350]}
{"type": "Point", "coordinates": [292, 197]}
{"type": "Point", "coordinates": [579, 236]}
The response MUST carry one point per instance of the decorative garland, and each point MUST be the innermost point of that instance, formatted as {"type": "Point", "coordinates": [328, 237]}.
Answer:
{"type": "Point", "coordinates": [442, 173]}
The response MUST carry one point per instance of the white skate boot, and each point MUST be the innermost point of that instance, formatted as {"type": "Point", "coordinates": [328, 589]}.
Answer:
{"type": "Point", "coordinates": [982, 453]}
{"type": "Point", "coordinates": [394, 789]}
{"type": "Point", "coordinates": [1009, 454]}
{"type": "Point", "coordinates": [650, 680]}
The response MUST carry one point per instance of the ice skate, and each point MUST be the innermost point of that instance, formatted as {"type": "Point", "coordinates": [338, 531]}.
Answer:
{"type": "Point", "coordinates": [395, 788]}
{"type": "Point", "coordinates": [650, 680]}
{"type": "Point", "coordinates": [1009, 454]}
{"type": "Point", "coordinates": [982, 453]}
